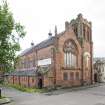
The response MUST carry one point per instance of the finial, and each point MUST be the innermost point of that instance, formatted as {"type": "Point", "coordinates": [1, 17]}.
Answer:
{"type": "Point", "coordinates": [79, 15]}
{"type": "Point", "coordinates": [50, 34]}
{"type": "Point", "coordinates": [32, 43]}
{"type": "Point", "coordinates": [55, 30]}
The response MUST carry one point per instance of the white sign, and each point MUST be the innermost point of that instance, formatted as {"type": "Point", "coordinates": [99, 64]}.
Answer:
{"type": "Point", "coordinates": [44, 62]}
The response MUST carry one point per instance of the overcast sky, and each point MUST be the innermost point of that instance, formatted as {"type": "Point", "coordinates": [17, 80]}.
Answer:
{"type": "Point", "coordinates": [40, 16]}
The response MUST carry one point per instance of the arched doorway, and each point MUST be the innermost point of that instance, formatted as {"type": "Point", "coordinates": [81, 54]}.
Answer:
{"type": "Point", "coordinates": [95, 77]}
{"type": "Point", "coordinates": [40, 80]}
{"type": "Point", "coordinates": [40, 83]}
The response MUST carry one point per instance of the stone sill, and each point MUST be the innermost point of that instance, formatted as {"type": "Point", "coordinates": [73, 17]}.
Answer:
{"type": "Point", "coordinates": [69, 68]}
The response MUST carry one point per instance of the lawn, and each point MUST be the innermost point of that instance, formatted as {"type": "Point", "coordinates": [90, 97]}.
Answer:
{"type": "Point", "coordinates": [26, 89]}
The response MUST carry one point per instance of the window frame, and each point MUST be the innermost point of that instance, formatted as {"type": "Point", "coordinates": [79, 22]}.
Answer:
{"type": "Point", "coordinates": [65, 77]}
{"type": "Point", "coordinates": [77, 76]}
{"type": "Point", "coordinates": [70, 54]}
{"type": "Point", "coordinates": [72, 76]}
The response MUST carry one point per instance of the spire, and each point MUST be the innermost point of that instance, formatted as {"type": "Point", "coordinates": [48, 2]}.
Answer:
{"type": "Point", "coordinates": [55, 30]}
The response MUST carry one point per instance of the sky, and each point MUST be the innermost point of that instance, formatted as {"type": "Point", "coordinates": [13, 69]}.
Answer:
{"type": "Point", "coordinates": [40, 16]}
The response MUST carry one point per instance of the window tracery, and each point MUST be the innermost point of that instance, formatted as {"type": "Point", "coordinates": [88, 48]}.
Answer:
{"type": "Point", "coordinates": [70, 54]}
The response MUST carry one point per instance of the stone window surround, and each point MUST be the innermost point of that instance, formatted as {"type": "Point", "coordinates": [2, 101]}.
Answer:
{"type": "Point", "coordinates": [70, 48]}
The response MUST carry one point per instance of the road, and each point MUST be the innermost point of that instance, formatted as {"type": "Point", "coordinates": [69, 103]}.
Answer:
{"type": "Point", "coordinates": [90, 96]}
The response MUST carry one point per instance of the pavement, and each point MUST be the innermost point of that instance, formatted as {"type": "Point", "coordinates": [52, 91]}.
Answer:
{"type": "Point", "coordinates": [65, 90]}
{"type": "Point", "coordinates": [82, 96]}
{"type": "Point", "coordinates": [4, 101]}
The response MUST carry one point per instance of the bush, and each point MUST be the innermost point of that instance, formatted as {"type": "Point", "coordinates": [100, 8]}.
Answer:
{"type": "Point", "coordinates": [1, 81]}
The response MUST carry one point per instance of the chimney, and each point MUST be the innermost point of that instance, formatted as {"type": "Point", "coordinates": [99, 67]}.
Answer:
{"type": "Point", "coordinates": [55, 30]}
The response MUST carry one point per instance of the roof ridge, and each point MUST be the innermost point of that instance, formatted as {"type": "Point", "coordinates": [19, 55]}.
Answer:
{"type": "Point", "coordinates": [40, 45]}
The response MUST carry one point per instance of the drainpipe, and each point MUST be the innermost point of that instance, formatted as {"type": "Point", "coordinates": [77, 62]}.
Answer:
{"type": "Point", "coordinates": [91, 48]}
{"type": "Point", "coordinates": [54, 58]}
{"type": "Point", "coordinates": [54, 55]}
{"type": "Point", "coordinates": [92, 72]}
{"type": "Point", "coordinates": [28, 81]}
{"type": "Point", "coordinates": [82, 62]}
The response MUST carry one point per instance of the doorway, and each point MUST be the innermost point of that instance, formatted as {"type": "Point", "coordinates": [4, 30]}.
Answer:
{"type": "Point", "coordinates": [39, 80]}
{"type": "Point", "coordinates": [40, 83]}
{"type": "Point", "coordinates": [95, 77]}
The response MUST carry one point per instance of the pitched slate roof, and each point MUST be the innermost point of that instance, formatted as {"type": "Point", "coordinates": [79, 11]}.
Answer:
{"type": "Point", "coordinates": [25, 51]}
{"type": "Point", "coordinates": [45, 43]}
{"type": "Point", "coordinates": [41, 45]}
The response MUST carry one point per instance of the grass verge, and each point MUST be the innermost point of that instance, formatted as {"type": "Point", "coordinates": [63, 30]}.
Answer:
{"type": "Point", "coordinates": [25, 89]}
{"type": "Point", "coordinates": [2, 97]}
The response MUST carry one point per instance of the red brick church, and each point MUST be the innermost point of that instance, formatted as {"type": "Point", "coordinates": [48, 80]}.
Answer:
{"type": "Point", "coordinates": [64, 59]}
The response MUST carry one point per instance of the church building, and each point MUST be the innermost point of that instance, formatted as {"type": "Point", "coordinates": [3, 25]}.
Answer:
{"type": "Point", "coordinates": [62, 60]}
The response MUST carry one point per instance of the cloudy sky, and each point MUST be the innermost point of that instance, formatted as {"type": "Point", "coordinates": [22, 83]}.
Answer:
{"type": "Point", "coordinates": [40, 16]}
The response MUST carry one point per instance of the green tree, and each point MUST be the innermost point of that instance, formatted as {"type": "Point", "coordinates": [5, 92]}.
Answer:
{"type": "Point", "coordinates": [10, 34]}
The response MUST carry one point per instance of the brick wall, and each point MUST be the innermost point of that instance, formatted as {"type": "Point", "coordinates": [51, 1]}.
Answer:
{"type": "Point", "coordinates": [55, 75]}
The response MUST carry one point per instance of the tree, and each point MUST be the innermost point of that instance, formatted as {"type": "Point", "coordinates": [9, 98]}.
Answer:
{"type": "Point", "coordinates": [10, 34]}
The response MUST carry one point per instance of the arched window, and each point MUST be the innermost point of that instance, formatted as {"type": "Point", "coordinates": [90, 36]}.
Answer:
{"type": "Point", "coordinates": [70, 54]}
{"type": "Point", "coordinates": [75, 28]}
{"type": "Point", "coordinates": [88, 34]}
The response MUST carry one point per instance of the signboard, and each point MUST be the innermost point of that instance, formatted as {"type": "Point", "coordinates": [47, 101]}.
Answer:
{"type": "Point", "coordinates": [44, 62]}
